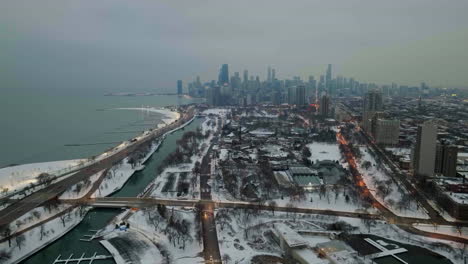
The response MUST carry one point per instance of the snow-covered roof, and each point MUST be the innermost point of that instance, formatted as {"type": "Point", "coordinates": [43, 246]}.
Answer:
{"type": "Point", "coordinates": [291, 237]}
{"type": "Point", "coordinates": [262, 132]}
{"type": "Point", "coordinates": [308, 256]}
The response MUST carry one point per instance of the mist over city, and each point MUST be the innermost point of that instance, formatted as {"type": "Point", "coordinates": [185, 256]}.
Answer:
{"type": "Point", "coordinates": [263, 132]}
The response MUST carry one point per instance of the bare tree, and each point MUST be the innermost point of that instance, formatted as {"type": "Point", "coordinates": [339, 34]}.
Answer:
{"type": "Point", "coordinates": [272, 204]}
{"type": "Point", "coordinates": [65, 216]}
{"type": "Point", "coordinates": [42, 232]}
{"type": "Point", "coordinates": [20, 240]}
{"type": "Point", "coordinates": [36, 214]}
{"type": "Point", "coordinates": [459, 227]}
{"type": "Point", "coordinates": [19, 223]}
{"type": "Point", "coordinates": [367, 223]}
{"type": "Point", "coordinates": [45, 178]}
{"type": "Point", "coordinates": [5, 232]}
{"type": "Point", "coordinates": [226, 258]}
{"type": "Point", "coordinates": [4, 256]}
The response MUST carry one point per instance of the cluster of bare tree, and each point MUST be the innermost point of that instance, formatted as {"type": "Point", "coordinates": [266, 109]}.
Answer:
{"type": "Point", "coordinates": [186, 147]}
{"type": "Point", "coordinates": [178, 230]}
{"type": "Point", "coordinates": [223, 218]}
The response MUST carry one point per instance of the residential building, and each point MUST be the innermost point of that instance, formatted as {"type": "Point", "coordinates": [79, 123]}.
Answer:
{"type": "Point", "coordinates": [387, 132]}
{"type": "Point", "coordinates": [446, 160]}
{"type": "Point", "coordinates": [424, 154]}
{"type": "Point", "coordinates": [324, 108]}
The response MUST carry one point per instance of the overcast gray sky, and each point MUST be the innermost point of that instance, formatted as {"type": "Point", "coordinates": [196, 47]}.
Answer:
{"type": "Point", "coordinates": [138, 45]}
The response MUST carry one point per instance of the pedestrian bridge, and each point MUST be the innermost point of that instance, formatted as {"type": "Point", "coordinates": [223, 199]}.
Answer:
{"type": "Point", "coordinates": [135, 202]}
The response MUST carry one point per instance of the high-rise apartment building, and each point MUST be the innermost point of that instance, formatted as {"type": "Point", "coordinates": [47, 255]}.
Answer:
{"type": "Point", "coordinates": [387, 131]}
{"type": "Point", "coordinates": [372, 103]}
{"type": "Point", "coordinates": [424, 153]}
{"type": "Point", "coordinates": [446, 160]}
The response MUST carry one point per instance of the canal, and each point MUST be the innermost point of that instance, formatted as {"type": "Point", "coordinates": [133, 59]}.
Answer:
{"type": "Point", "coordinates": [98, 218]}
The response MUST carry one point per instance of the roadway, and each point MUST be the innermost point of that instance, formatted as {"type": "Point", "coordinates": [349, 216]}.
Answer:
{"type": "Point", "coordinates": [52, 191]}
{"type": "Point", "coordinates": [211, 250]}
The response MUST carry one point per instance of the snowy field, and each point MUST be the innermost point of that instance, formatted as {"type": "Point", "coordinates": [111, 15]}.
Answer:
{"type": "Point", "coordinates": [324, 151]}
{"type": "Point", "coordinates": [17, 177]}
{"type": "Point", "coordinates": [395, 200]}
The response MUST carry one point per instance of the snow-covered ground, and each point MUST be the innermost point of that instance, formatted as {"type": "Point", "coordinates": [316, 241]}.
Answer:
{"type": "Point", "coordinates": [375, 176]}
{"type": "Point", "coordinates": [324, 151]}
{"type": "Point", "coordinates": [17, 177]}
{"type": "Point", "coordinates": [170, 116]}
{"type": "Point", "coordinates": [120, 173]}
{"type": "Point", "coordinates": [151, 226]}
{"type": "Point", "coordinates": [81, 189]}
{"type": "Point", "coordinates": [35, 216]}
{"type": "Point", "coordinates": [31, 241]}
{"type": "Point", "coordinates": [139, 248]}
{"type": "Point", "coordinates": [176, 171]}
{"type": "Point", "coordinates": [242, 236]}
{"type": "Point", "coordinates": [330, 201]}
{"type": "Point", "coordinates": [444, 229]}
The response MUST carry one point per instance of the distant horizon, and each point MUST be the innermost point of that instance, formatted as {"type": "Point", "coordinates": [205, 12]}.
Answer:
{"type": "Point", "coordinates": [117, 46]}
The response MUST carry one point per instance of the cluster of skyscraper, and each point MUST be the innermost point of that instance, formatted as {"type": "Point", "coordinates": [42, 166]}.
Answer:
{"type": "Point", "coordinates": [248, 90]}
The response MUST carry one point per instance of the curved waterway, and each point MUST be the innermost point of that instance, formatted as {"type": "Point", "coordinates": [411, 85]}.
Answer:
{"type": "Point", "coordinates": [98, 218]}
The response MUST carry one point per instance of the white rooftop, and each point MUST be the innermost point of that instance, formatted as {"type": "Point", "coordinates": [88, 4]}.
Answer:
{"type": "Point", "coordinates": [291, 237]}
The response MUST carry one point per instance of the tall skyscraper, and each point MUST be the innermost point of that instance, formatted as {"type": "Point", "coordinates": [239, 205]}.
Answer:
{"type": "Point", "coordinates": [273, 74]}
{"type": "Point", "coordinates": [179, 87]}
{"type": "Point", "coordinates": [424, 153]}
{"type": "Point", "coordinates": [269, 74]}
{"type": "Point", "coordinates": [328, 79]}
{"type": "Point", "coordinates": [324, 108]}
{"type": "Point", "coordinates": [446, 160]}
{"type": "Point", "coordinates": [223, 75]}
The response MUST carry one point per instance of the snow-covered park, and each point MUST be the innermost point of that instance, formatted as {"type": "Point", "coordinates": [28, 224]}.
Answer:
{"type": "Point", "coordinates": [166, 233]}
{"type": "Point", "coordinates": [395, 197]}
